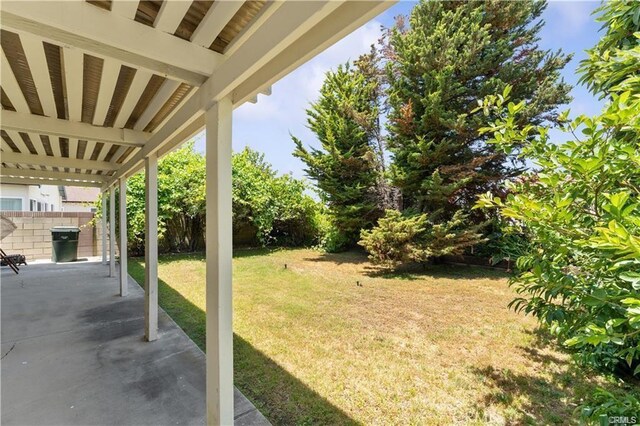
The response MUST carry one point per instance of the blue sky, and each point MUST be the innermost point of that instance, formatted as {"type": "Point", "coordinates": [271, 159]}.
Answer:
{"type": "Point", "coordinates": [266, 126]}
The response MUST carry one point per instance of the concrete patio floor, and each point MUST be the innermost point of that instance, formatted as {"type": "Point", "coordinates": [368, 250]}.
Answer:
{"type": "Point", "coordinates": [73, 352]}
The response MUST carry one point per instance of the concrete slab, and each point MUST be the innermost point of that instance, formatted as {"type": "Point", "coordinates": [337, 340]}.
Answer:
{"type": "Point", "coordinates": [73, 353]}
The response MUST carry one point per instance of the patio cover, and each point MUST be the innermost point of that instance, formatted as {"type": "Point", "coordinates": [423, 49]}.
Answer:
{"type": "Point", "coordinates": [94, 90]}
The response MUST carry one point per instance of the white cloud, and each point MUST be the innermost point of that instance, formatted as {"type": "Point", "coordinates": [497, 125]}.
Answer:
{"type": "Point", "coordinates": [574, 15]}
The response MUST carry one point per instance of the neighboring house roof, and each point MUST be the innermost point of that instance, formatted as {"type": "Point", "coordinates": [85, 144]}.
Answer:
{"type": "Point", "coordinates": [77, 194]}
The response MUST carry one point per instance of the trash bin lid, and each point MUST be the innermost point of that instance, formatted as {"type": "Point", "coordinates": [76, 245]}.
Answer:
{"type": "Point", "coordinates": [65, 229]}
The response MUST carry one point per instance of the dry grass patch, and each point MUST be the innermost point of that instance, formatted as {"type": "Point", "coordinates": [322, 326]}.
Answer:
{"type": "Point", "coordinates": [329, 340]}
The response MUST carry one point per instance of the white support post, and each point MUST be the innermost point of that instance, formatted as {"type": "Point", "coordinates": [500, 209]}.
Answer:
{"type": "Point", "coordinates": [124, 282]}
{"type": "Point", "coordinates": [151, 248]}
{"type": "Point", "coordinates": [219, 257]}
{"type": "Point", "coordinates": [112, 231]}
{"type": "Point", "coordinates": [104, 228]}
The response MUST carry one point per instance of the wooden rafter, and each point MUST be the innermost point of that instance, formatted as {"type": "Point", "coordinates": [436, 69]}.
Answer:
{"type": "Point", "coordinates": [25, 180]}
{"type": "Point", "coordinates": [170, 15]}
{"type": "Point", "coordinates": [15, 172]}
{"type": "Point", "coordinates": [20, 122]}
{"type": "Point", "coordinates": [217, 17]}
{"type": "Point", "coordinates": [44, 160]}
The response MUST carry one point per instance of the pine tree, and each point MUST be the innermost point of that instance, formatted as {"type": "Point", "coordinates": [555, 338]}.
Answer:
{"type": "Point", "coordinates": [451, 55]}
{"type": "Point", "coordinates": [347, 168]}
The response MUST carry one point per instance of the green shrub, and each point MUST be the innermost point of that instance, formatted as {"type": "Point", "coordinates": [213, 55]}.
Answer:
{"type": "Point", "coordinates": [401, 238]}
{"type": "Point", "coordinates": [581, 207]}
{"type": "Point", "coordinates": [267, 209]}
{"type": "Point", "coordinates": [603, 405]}
{"type": "Point", "coordinates": [396, 239]}
{"type": "Point", "coordinates": [330, 238]}
{"type": "Point", "coordinates": [275, 207]}
{"type": "Point", "coordinates": [504, 243]}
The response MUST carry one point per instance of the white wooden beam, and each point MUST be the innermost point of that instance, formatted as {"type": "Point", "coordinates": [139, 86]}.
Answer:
{"type": "Point", "coordinates": [20, 122]}
{"type": "Point", "coordinates": [88, 152]}
{"type": "Point", "coordinates": [12, 88]}
{"type": "Point", "coordinates": [18, 141]}
{"type": "Point", "coordinates": [34, 51]}
{"type": "Point", "coordinates": [124, 277]}
{"type": "Point", "coordinates": [219, 329]}
{"type": "Point", "coordinates": [217, 17]}
{"type": "Point", "coordinates": [112, 232]}
{"type": "Point", "coordinates": [171, 14]}
{"type": "Point", "coordinates": [88, 149]}
{"type": "Point", "coordinates": [159, 99]}
{"type": "Point", "coordinates": [41, 181]}
{"type": "Point", "coordinates": [5, 146]}
{"type": "Point", "coordinates": [188, 133]}
{"type": "Point", "coordinates": [139, 83]}
{"type": "Point", "coordinates": [103, 220]}
{"type": "Point", "coordinates": [192, 92]}
{"type": "Point", "coordinates": [73, 68]}
{"type": "Point", "coordinates": [125, 8]}
{"type": "Point", "coordinates": [43, 160]}
{"type": "Point", "coordinates": [46, 174]}
{"type": "Point", "coordinates": [118, 153]}
{"type": "Point", "coordinates": [73, 148]}
{"type": "Point", "coordinates": [13, 91]}
{"type": "Point", "coordinates": [247, 32]}
{"type": "Point", "coordinates": [151, 248]}
{"type": "Point", "coordinates": [108, 35]}
{"type": "Point", "coordinates": [55, 146]}
{"type": "Point", "coordinates": [104, 152]}
{"type": "Point", "coordinates": [108, 80]}
{"type": "Point", "coordinates": [36, 141]}
{"type": "Point", "coordinates": [128, 156]}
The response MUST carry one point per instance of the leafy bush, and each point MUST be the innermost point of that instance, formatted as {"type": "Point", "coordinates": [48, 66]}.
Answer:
{"type": "Point", "coordinates": [268, 209]}
{"type": "Point", "coordinates": [396, 239]}
{"type": "Point", "coordinates": [275, 208]}
{"type": "Point", "coordinates": [604, 405]}
{"type": "Point", "coordinates": [581, 206]}
{"type": "Point", "coordinates": [504, 243]}
{"type": "Point", "coordinates": [330, 238]}
{"type": "Point", "coordinates": [181, 203]}
{"type": "Point", "coordinates": [399, 238]}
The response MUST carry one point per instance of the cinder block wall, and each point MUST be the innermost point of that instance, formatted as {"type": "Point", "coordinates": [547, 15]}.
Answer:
{"type": "Point", "coordinates": [32, 237]}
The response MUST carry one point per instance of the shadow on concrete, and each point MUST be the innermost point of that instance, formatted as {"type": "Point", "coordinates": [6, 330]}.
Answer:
{"type": "Point", "coordinates": [282, 398]}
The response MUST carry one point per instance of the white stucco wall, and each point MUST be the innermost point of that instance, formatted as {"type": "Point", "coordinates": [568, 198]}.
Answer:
{"type": "Point", "coordinates": [48, 194]}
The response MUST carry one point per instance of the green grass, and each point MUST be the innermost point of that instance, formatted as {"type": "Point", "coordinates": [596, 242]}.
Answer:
{"type": "Point", "coordinates": [433, 346]}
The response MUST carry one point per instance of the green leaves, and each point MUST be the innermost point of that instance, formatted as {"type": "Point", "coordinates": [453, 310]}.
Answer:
{"type": "Point", "coordinates": [633, 278]}
{"type": "Point", "coordinates": [270, 209]}
{"type": "Point", "coordinates": [582, 206]}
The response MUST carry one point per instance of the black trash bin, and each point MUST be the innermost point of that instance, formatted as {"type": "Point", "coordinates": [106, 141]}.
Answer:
{"type": "Point", "coordinates": [65, 243]}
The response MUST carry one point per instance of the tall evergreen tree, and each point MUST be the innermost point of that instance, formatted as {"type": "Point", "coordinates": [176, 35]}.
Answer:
{"type": "Point", "coordinates": [347, 168]}
{"type": "Point", "coordinates": [451, 55]}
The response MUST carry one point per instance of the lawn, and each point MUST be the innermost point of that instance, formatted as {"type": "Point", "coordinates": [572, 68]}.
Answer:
{"type": "Point", "coordinates": [326, 339]}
